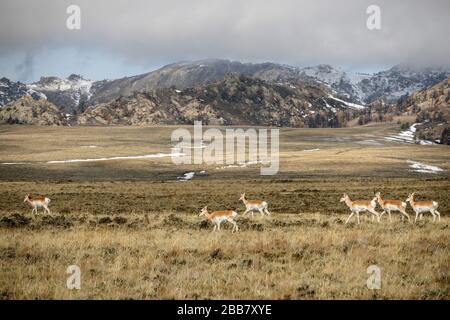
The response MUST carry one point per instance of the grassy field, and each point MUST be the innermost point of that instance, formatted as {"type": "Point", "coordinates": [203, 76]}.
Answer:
{"type": "Point", "coordinates": [133, 228]}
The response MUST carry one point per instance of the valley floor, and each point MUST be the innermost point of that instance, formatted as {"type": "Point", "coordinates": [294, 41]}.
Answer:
{"type": "Point", "coordinates": [133, 228]}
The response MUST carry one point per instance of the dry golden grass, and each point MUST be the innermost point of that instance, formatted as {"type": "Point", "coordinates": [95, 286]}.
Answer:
{"type": "Point", "coordinates": [134, 229]}
{"type": "Point", "coordinates": [177, 256]}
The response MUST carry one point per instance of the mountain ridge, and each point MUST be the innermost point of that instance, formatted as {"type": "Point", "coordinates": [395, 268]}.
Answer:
{"type": "Point", "coordinates": [232, 100]}
{"type": "Point", "coordinates": [75, 93]}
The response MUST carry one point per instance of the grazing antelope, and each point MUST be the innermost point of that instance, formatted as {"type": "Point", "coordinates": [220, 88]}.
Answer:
{"type": "Point", "coordinates": [389, 205]}
{"type": "Point", "coordinates": [217, 217]}
{"type": "Point", "coordinates": [357, 206]}
{"type": "Point", "coordinates": [37, 202]}
{"type": "Point", "coordinates": [253, 205]}
{"type": "Point", "coordinates": [421, 207]}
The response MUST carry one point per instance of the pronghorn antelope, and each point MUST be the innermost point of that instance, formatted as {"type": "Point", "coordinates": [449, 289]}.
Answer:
{"type": "Point", "coordinates": [37, 202]}
{"type": "Point", "coordinates": [253, 205]}
{"type": "Point", "coordinates": [217, 217]}
{"type": "Point", "coordinates": [357, 206]}
{"type": "Point", "coordinates": [421, 207]}
{"type": "Point", "coordinates": [389, 205]}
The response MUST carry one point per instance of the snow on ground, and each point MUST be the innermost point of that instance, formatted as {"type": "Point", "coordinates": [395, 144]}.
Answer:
{"type": "Point", "coordinates": [423, 168]}
{"type": "Point", "coordinates": [177, 149]}
{"type": "Point", "coordinates": [40, 94]}
{"type": "Point", "coordinates": [311, 150]}
{"type": "Point", "coordinates": [187, 176]}
{"type": "Point", "coordinates": [242, 164]}
{"type": "Point", "coordinates": [348, 104]}
{"type": "Point", "coordinates": [407, 136]}
{"type": "Point", "coordinates": [146, 156]}
{"type": "Point", "coordinates": [12, 163]}
{"type": "Point", "coordinates": [329, 107]}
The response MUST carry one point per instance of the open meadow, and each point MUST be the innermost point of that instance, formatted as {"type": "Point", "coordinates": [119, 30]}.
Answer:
{"type": "Point", "coordinates": [132, 224]}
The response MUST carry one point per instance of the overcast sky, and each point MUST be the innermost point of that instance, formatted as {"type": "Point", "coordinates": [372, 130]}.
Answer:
{"type": "Point", "coordinates": [127, 37]}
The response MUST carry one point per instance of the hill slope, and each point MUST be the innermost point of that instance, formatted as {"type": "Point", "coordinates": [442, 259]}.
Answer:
{"type": "Point", "coordinates": [232, 100]}
{"type": "Point", "coordinates": [73, 94]}
{"type": "Point", "coordinates": [28, 110]}
{"type": "Point", "coordinates": [432, 106]}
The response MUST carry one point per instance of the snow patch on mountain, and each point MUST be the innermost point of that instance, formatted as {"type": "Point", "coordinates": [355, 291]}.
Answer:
{"type": "Point", "coordinates": [11, 91]}
{"type": "Point", "coordinates": [76, 84]}
{"type": "Point", "coordinates": [68, 94]}
{"type": "Point", "coordinates": [348, 104]}
{"type": "Point", "coordinates": [388, 85]}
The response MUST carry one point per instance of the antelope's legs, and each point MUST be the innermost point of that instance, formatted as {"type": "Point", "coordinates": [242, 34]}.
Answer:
{"type": "Point", "coordinates": [235, 227]}
{"type": "Point", "coordinates": [404, 213]}
{"type": "Point", "coordinates": [434, 215]}
{"type": "Point", "coordinates": [351, 215]}
{"type": "Point", "coordinates": [376, 214]}
{"type": "Point", "coordinates": [438, 214]}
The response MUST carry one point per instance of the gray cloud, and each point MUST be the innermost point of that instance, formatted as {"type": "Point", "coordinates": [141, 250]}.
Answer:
{"type": "Point", "coordinates": [287, 31]}
{"type": "Point", "coordinates": [25, 68]}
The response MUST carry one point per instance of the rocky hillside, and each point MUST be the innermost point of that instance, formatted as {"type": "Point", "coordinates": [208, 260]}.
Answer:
{"type": "Point", "coordinates": [28, 110]}
{"type": "Point", "coordinates": [73, 94]}
{"type": "Point", "coordinates": [400, 81]}
{"type": "Point", "coordinates": [341, 82]}
{"type": "Point", "coordinates": [233, 100]}
{"type": "Point", "coordinates": [187, 75]}
{"type": "Point", "coordinates": [11, 91]}
{"type": "Point", "coordinates": [432, 107]}
{"type": "Point", "coordinates": [387, 85]}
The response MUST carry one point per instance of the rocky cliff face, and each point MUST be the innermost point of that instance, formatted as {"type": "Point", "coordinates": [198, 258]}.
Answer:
{"type": "Point", "coordinates": [27, 110]}
{"type": "Point", "coordinates": [11, 91]}
{"type": "Point", "coordinates": [71, 95]}
{"type": "Point", "coordinates": [234, 100]}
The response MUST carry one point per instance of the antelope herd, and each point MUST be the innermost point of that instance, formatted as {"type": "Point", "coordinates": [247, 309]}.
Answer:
{"type": "Point", "coordinates": [388, 205]}
{"type": "Point", "coordinates": [355, 206]}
